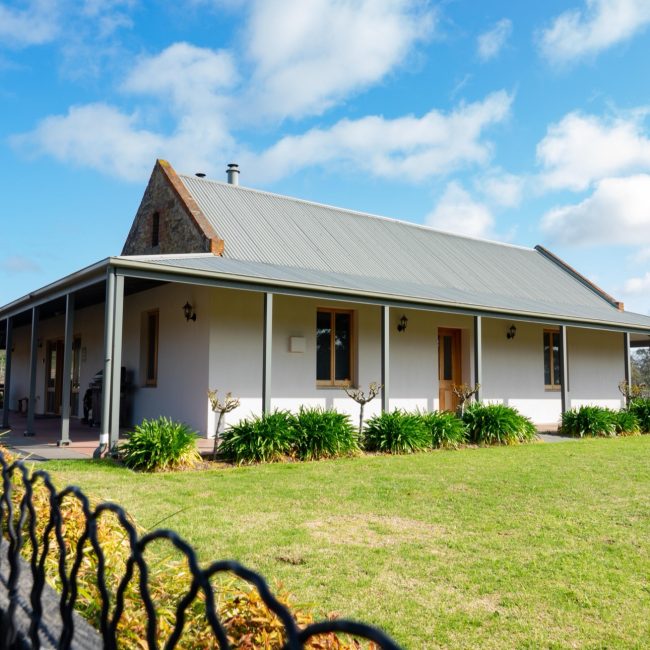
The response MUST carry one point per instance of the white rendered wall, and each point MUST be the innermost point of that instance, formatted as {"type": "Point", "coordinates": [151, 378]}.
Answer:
{"type": "Point", "coordinates": [236, 354]}
{"type": "Point", "coordinates": [513, 370]}
{"type": "Point", "coordinates": [182, 380]}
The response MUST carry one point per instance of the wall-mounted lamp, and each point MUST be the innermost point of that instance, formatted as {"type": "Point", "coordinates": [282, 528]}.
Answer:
{"type": "Point", "coordinates": [189, 313]}
{"type": "Point", "coordinates": [510, 334]}
{"type": "Point", "coordinates": [403, 322]}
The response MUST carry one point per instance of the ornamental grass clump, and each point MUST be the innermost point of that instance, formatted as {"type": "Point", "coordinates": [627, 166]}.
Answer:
{"type": "Point", "coordinates": [446, 429]}
{"type": "Point", "coordinates": [265, 439]}
{"type": "Point", "coordinates": [640, 407]}
{"type": "Point", "coordinates": [626, 423]}
{"type": "Point", "coordinates": [589, 421]}
{"type": "Point", "coordinates": [158, 445]}
{"type": "Point", "coordinates": [497, 424]}
{"type": "Point", "coordinates": [323, 433]}
{"type": "Point", "coordinates": [397, 432]}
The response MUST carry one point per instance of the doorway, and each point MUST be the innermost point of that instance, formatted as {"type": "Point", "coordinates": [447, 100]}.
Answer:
{"type": "Point", "coordinates": [449, 368]}
{"type": "Point", "coordinates": [54, 376]}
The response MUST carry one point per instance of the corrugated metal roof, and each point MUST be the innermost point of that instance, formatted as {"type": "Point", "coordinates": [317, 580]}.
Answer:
{"type": "Point", "coordinates": [599, 312]}
{"type": "Point", "coordinates": [318, 244]}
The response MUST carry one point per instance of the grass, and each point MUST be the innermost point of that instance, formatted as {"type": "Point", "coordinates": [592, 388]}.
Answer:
{"type": "Point", "coordinates": [533, 546]}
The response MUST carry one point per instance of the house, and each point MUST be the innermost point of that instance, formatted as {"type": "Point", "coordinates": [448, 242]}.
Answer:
{"type": "Point", "coordinates": [284, 302]}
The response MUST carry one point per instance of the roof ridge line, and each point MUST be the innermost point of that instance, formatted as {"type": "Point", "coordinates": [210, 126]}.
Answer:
{"type": "Point", "coordinates": [558, 261]}
{"type": "Point", "coordinates": [370, 215]}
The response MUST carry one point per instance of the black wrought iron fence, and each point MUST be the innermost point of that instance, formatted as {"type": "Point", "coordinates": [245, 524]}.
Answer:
{"type": "Point", "coordinates": [33, 615]}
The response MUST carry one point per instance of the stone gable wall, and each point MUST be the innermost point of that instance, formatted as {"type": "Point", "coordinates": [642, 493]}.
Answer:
{"type": "Point", "coordinates": [178, 231]}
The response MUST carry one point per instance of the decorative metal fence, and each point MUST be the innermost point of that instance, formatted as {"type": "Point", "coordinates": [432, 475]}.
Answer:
{"type": "Point", "coordinates": [32, 615]}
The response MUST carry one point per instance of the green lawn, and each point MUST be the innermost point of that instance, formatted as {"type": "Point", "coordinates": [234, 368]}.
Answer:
{"type": "Point", "coordinates": [538, 546]}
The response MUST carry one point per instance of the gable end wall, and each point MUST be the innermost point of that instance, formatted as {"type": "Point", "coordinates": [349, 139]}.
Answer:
{"type": "Point", "coordinates": [179, 231]}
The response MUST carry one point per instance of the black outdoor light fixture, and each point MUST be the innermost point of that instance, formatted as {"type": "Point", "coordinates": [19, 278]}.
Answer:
{"type": "Point", "coordinates": [189, 312]}
{"type": "Point", "coordinates": [403, 322]}
{"type": "Point", "coordinates": [512, 330]}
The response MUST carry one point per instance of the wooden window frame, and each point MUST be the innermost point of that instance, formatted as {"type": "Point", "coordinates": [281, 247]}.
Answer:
{"type": "Point", "coordinates": [151, 382]}
{"type": "Point", "coordinates": [332, 382]}
{"type": "Point", "coordinates": [552, 386]}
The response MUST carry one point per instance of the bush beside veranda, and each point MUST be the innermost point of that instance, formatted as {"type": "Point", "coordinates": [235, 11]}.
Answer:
{"type": "Point", "coordinates": [497, 424]}
{"type": "Point", "coordinates": [160, 444]}
{"type": "Point", "coordinates": [321, 433]}
{"type": "Point", "coordinates": [397, 432]}
{"type": "Point", "coordinates": [447, 430]}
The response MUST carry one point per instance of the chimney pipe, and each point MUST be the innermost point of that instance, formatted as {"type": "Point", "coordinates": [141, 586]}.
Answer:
{"type": "Point", "coordinates": [233, 174]}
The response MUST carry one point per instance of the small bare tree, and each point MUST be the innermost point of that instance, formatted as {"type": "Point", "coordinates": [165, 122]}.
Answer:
{"type": "Point", "coordinates": [229, 403]}
{"type": "Point", "coordinates": [464, 392]}
{"type": "Point", "coordinates": [631, 391]}
{"type": "Point", "coordinates": [362, 399]}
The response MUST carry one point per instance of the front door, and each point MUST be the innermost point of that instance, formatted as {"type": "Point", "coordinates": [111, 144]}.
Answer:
{"type": "Point", "coordinates": [53, 376]}
{"type": "Point", "coordinates": [448, 368]}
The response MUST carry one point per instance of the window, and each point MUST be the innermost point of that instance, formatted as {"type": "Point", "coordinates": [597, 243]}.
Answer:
{"type": "Point", "coordinates": [155, 230]}
{"type": "Point", "coordinates": [552, 359]}
{"type": "Point", "coordinates": [150, 347]}
{"type": "Point", "coordinates": [334, 358]}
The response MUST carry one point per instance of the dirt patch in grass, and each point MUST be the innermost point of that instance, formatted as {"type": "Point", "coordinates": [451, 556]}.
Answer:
{"type": "Point", "coordinates": [372, 531]}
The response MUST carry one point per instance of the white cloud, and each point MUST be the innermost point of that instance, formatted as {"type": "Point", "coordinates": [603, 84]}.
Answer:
{"type": "Point", "coordinates": [457, 212]}
{"type": "Point", "coordinates": [36, 24]}
{"type": "Point", "coordinates": [501, 188]}
{"type": "Point", "coordinates": [192, 77]}
{"type": "Point", "coordinates": [638, 285]}
{"type": "Point", "coordinates": [308, 55]}
{"type": "Point", "coordinates": [618, 212]}
{"type": "Point", "coordinates": [581, 149]}
{"type": "Point", "coordinates": [408, 147]}
{"type": "Point", "coordinates": [97, 136]}
{"type": "Point", "coordinates": [600, 24]}
{"type": "Point", "coordinates": [490, 43]}
{"type": "Point", "coordinates": [15, 264]}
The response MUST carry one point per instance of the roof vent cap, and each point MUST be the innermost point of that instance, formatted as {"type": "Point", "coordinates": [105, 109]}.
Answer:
{"type": "Point", "coordinates": [200, 174]}
{"type": "Point", "coordinates": [233, 174]}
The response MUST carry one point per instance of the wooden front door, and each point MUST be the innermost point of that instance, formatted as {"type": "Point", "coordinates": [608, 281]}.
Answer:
{"type": "Point", "coordinates": [53, 377]}
{"type": "Point", "coordinates": [448, 367]}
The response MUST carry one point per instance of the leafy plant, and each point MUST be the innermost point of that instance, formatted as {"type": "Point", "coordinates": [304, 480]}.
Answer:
{"type": "Point", "coordinates": [626, 423]}
{"type": "Point", "coordinates": [323, 434]}
{"type": "Point", "coordinates": [397, 432]}
{"type": "Point", "coordinates": [589, 421]}
{"type": "Point", "coordinates": [640, 406]}
{"type": "Point", "coordinates": [263, 439]}
{"type": "Point", "coordinates": [446, 429]}
{"type": "Point", "coordinates": [160, 444]}
{"type": "Point", "coordinates": [498, 424]}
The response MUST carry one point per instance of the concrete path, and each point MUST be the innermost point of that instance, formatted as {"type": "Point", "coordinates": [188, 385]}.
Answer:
{"type": "Point", "coordinates": [548, 436]}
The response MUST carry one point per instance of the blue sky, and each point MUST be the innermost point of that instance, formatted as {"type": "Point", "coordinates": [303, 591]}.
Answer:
{"type": "Point", "coordinates": [518, 121]}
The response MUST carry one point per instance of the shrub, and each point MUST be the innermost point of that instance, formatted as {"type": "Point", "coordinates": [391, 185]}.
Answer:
{"type": "Point", "coordinates": [160, 444]}
{"type": "Point", "coordinates": [626, 423]}
{"type": "Point", "coordinates": [323, 434]}
{"type": "Point", "coordinates": [397, 433]}
{"type": "Point", "coordinates": [640, 406]}
{"type": "Point", "coordinates": [589, 421]}
{"type": "Point", "coordinates": [492, 424]}
{"type": "Point", "coordinates": [263, 439]}
{"type": "Point", "coordinates": [446, 429]}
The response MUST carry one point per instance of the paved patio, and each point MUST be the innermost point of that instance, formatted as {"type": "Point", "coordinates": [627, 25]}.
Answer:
{"type": "Point", "coordinates": [43, 446]}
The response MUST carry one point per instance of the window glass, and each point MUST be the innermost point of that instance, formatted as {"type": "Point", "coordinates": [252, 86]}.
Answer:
{"type": "Point", "coordinates": [342, 346]}
{"type": "Point", "coordinates": [556, 358]}
{"type": "Point", "coordinates": [155, 229]}
{"type": "Point", "coordinates": [547, 358]}
{"type": "Point", "coordinates": [324, 346]}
